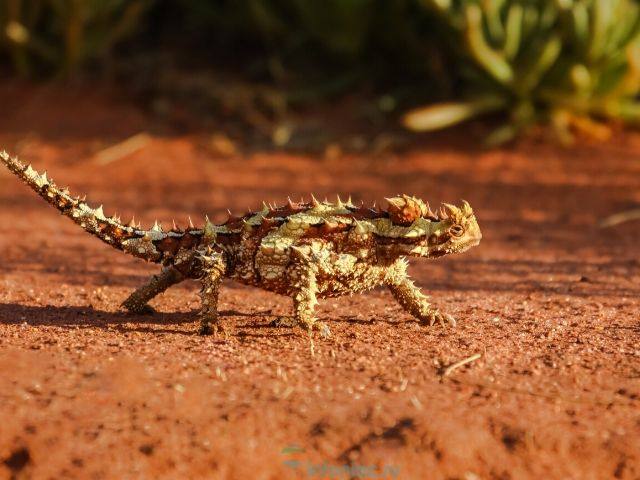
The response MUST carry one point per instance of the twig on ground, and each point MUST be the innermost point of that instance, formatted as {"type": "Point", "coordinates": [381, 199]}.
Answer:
{"type": "Point", "coordinates": [622, 217]}
{"type": "Point", "coordinates": [447, 371]}
{"type": "Point", "coordinates": [122, 149]}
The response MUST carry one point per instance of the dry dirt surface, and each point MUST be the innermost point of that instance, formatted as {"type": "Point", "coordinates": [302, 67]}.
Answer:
{"type": "Point", "coordinates": [548, 300]}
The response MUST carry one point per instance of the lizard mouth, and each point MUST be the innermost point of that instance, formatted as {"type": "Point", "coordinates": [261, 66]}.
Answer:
{"type": "Point", "coordinates": [446, 249]}
{"type": "Point", "coordinates": [464, 247]}
{"type": "Point", "coordinates": [423, 251]}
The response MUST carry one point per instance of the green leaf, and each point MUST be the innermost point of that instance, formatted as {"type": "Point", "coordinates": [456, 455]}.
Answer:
{"type": "Point", "coordinates": [547, 57]}
{"type": "Point", "coordinates": [513, 33]}
{"type": "Point", "coordinates": [442, 115]}
{"type": "Point", "coordinates": [580, 21]}
{"type": "Point", "coordinates": [629, 111]}
{"type": "Point", "coordinates": [491, 61]}
{"type": "Point", "coordinates": [502, 135]}
{"type": "Point", "coordinates": [601, 20]}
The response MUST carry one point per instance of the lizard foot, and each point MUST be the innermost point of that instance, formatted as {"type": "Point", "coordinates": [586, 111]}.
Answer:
{"type": "Point", "coordinates": [207, 329]}
{"type": "Point", "coordinates": [145, 309]}
{"type": "Point", "coordinates": [434, 316]}
{"type": "Point", "coordinates": [287, 322]}
{"type": "Point", "coordinates": [321, 327]}
{"type": "Point", "coordinates": [208, 325]}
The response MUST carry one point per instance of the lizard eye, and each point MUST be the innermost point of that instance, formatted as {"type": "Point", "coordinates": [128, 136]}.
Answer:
{"type": "Point", "coordinates": [456, 230]}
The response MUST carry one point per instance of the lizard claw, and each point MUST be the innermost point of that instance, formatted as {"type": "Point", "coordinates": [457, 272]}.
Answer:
{"type": "Point", "coordinates": [449, 319]}
{"type": "Point", "coordinates": [209, 326]}
{"type": "Point", "coordinates": [443, 318]}
{"type": "Point", "coordinates": [206, 329]}
{"type": "Point", "coordinates": [145, 309]}
{"type": "Point", "coordinates": [323, 329]}
{"type": "Point", "coordinates": [287, 322]}
{"type": "Point", "coordinates": [213, 329]}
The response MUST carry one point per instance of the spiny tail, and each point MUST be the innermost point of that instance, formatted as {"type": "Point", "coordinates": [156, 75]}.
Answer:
{"type": "Point", "coordinates": [128, 238]}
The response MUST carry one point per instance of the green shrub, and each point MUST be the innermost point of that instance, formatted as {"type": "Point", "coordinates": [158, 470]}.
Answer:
{"type": "Point", "coordinates": [563, 61]}
{"type": "Point", "coordinates": [566, 62]}
{"type": "Point", "coordinates": [327, 45]}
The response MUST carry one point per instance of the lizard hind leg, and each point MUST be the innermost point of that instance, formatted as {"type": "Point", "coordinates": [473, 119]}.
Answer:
{"type": "Point", "coordinates": [137, 302]}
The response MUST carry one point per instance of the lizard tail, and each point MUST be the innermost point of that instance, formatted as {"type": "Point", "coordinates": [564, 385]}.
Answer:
{"type": "Point", "coordinates": [128, 238]}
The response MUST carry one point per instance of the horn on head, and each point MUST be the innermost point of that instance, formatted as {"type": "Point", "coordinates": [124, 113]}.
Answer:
{"type": "Point", "coordinates": [466, 208]}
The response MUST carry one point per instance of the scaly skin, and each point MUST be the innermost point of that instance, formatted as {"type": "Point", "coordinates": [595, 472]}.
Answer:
{"type": "Point", "coordinates": [306, 251]}
{"type": "Point", "coordinates": [214, 267]}
{"type": "Point", "coordinates": [137, 301]}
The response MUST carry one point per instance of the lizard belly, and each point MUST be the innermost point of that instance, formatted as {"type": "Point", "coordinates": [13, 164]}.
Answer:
{"type": "Point", "coordinates": [339, 275]}
{"type": "Point", "coordinates": [360, 278]}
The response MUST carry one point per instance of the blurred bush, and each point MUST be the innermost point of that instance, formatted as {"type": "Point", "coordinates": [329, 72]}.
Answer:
{"type": "Point", "coordinates": [563, 61]}
{"type": "Point", "coordinates": [62, 35]}
{"type": "Point", "coordinates": [317, 47]}
{"type": "Point", "coordinates": [567, 62]}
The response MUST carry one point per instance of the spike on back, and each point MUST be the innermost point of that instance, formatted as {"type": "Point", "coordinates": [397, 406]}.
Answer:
{"type": "Point", "coordinates": [209, 230]}
{"type": "Point", "coordinates": [405, 210]}
{"type": "Point", "coordinates": [99, 213]}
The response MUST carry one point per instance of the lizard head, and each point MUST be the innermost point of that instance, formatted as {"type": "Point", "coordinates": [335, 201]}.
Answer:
{"type": "Point", "coordinates": [415, 230]}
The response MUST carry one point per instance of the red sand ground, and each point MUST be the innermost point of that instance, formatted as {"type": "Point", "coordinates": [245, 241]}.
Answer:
{"type": "Point", "coordinates": [548, 299]}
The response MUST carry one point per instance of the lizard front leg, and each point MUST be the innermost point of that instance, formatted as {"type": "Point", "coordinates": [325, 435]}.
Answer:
{"type": "Point", "coordinates": [213, 267]}
{"type": "Point", "coordinates": [412, 299]}
{"type": "Point", "coordinates": [138, 300]}
{"type": "Point", "coordinates": [304, 298]}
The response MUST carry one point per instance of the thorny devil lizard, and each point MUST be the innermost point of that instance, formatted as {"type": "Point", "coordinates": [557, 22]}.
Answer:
{"type": "Point", "coordinates": [303, 250]}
